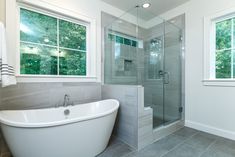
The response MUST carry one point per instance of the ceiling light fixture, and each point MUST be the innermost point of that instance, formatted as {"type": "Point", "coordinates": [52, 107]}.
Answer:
{"type": "Point", "coordinates": [146, 5]}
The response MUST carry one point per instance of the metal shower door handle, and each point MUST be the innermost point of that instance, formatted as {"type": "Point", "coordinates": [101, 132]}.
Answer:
{"type": "Point", "coordinates": [161, 73]}
{"type": "Point", "coordinates": [166, 77]}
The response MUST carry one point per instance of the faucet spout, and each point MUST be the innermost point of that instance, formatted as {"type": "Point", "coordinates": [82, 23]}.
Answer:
{"type": "Point", "coordinates": [66, 100]}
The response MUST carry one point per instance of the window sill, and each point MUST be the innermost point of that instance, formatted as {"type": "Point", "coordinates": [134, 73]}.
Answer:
{"type": "Point", "coordinates": [29, 79]}
{"type": "Point", "coordinates": [219, 82]}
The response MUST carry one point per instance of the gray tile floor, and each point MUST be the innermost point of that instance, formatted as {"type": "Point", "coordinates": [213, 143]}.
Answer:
{"type": "Point", "coordinates": [183, 143]}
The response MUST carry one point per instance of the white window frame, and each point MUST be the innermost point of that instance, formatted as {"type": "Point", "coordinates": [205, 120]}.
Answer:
{"type": "Point", "coordinates": [13, 30]}
{"type": "Point", "coordinates": [210, 48]}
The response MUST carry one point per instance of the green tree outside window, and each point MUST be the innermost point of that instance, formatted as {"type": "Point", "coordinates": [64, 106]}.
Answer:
{"type": "Point", "coordinates": [51, 46]}
{"type": "Point", "coordinates": [225, 33]}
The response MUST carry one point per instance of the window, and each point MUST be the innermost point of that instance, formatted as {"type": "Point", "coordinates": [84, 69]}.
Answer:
{"type": "Point", "coordinates": [225, 48]}
{"type": "Point", "coordinates": [51, 45]}
{"type": "Point", "coordinates": [219, 48]}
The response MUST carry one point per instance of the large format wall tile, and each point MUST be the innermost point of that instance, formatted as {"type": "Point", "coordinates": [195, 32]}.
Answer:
{"type": "Point", "coordinates": [43, 95]}
{"type": "Point", "coordinates": [126, 127]}
{"type": "Point", "coordinates": [134, 122]}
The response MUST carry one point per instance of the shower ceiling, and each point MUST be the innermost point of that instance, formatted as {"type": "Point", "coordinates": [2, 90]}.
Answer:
{"type": "Point", "coordinates": [157, 6]}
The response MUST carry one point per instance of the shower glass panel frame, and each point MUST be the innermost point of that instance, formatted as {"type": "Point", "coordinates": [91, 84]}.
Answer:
{"type": "Point", "coordinates": [136, 53]}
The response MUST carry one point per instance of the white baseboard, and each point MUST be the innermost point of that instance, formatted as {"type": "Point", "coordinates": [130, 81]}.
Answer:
{"type": "Point", "coordinates": [210, 129]}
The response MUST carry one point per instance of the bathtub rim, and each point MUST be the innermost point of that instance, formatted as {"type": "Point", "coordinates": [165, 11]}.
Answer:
{"type": "Point", "coordinates": [12, 123]}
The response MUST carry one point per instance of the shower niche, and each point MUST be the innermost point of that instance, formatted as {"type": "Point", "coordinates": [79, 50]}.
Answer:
{"type": "Point", "coordinates": [122, 51]}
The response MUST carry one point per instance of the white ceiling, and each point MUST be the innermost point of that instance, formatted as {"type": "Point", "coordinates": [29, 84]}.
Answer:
{"type": "Point", "coordinates": [157, 6]}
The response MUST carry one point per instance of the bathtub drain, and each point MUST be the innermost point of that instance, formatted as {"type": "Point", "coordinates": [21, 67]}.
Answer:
{"type": "Point", "coordinates": [66, 112]}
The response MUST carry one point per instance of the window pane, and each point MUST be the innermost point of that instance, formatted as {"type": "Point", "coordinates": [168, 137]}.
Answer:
{"type": "Point", "coordinates": [223, 34]}
{"type": "Point", "coordinates": [72, 35]}
{"type": "Point", "coordinates": [36, 59]}
{"type": "Point", "coordinates": [37, 28]}
{"type": "Point", "coordinates": [223, 64]}
{"type": "Point", "coordinates": [72, 62]}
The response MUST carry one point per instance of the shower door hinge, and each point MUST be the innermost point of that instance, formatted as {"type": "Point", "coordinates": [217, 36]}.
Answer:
{"type": "Point", "coordinates": [180, 109]}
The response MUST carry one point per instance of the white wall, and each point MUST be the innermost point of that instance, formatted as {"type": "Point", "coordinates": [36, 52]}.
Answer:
{"type": "Point", "coordinates": [208, 108]}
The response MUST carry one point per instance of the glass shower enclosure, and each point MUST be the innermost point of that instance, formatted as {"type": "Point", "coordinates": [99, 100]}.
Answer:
{"type": "Point", "coordinates": [143, 49]}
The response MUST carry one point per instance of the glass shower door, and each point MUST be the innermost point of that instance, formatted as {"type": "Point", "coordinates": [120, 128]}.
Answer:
{"type": "Point", "coordinates": [147, 55]}
{"type": "Point", "coordinates": [162, 85]}
{"type": "Point", "coordinates": [172, 74]}
{"type": "Point", "coordinates": [153, 84]}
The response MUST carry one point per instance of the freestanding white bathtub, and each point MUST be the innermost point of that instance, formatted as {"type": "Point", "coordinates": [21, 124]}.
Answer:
{"type": "Point", "coordinates": [85, 132]}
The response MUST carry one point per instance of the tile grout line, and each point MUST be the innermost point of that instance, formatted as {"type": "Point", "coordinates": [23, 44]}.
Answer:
{"type": "Point", "coordinates": [126, 155]}
{"type": "Point", "coordinates": [208, 148]}
{"type": "Point", "coordinates": [116, 145]}
{"type": "Point", "coordinates": [179, 144]}
{"type": "Point", "coordinates": [132, 151]}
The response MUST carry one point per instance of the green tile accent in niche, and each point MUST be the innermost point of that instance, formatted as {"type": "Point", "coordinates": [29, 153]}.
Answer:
{"type": "Point", "coordinates": [134, 43]}
{"type": "Point", "coordinates": [111, 37]}
{"type": "Point", "coordinates": [127, 41]}
{"type": "Point", "coordinates": [119, 39]}
{"type": "Point", "coordinates": [122, 40]}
